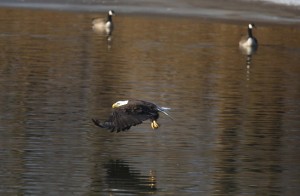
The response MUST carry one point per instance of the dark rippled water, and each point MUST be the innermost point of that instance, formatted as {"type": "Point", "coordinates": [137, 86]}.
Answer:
{"type": "Point", "coordinates": [236, 118]}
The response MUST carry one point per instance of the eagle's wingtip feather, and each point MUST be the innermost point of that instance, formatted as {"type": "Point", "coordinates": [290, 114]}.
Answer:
{"type": "Point", "coordinates": [97, 122]}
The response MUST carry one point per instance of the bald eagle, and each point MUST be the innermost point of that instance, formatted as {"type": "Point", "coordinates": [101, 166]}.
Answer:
{"type": "Point", "coordinates": [129, 113]}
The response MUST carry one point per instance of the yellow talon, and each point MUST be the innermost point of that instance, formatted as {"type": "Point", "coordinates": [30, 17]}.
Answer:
{"type": "Point", "coordinates": [154, 124]}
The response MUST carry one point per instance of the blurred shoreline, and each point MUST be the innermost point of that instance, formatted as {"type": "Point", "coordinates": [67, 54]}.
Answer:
{"type": "Point", "coordinates": [229, 10]}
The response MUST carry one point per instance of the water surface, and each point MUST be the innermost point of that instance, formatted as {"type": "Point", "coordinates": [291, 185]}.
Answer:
{"type": "Point", "coordinates": [236, 117]}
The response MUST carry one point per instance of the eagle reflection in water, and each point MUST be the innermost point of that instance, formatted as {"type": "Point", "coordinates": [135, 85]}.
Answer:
{"type": "Point", "coordinates": [121, 177]}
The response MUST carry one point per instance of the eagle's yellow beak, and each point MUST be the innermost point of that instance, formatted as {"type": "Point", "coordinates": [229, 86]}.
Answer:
{"type": "Point", "coordinates": [115, 105]}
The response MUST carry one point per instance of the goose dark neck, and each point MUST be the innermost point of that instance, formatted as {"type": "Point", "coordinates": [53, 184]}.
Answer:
{"type": "Point", "coordinates": [250, 32]}
{"type": "Point", "coordinates": [109, 17]}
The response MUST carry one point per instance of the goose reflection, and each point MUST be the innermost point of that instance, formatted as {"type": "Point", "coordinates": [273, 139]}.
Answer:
{"type": "Point", "coordinates": [248, 52]}
{"type": "Point", "coordinates": [109, 40]}
{"type": "Point", "coordinates": [120, 177]}
{"type": "Point", "coordinates": [105, 41]}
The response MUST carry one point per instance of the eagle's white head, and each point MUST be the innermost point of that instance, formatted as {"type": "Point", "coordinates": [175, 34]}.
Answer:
{"type": "Point", "coordinates": [119, 103]}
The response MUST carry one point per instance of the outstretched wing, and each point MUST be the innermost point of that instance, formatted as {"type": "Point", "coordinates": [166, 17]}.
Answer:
{"type": "Point", "coordinates": [123, 118]}
{"type": "Point", "coordinates": [98, 20]}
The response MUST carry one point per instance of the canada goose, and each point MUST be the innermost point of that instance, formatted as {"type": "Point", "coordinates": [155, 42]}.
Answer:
{"type": "Point", "coordinates": [250, 40]}
{"type": "Point", "coordinates": [104, 25]}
